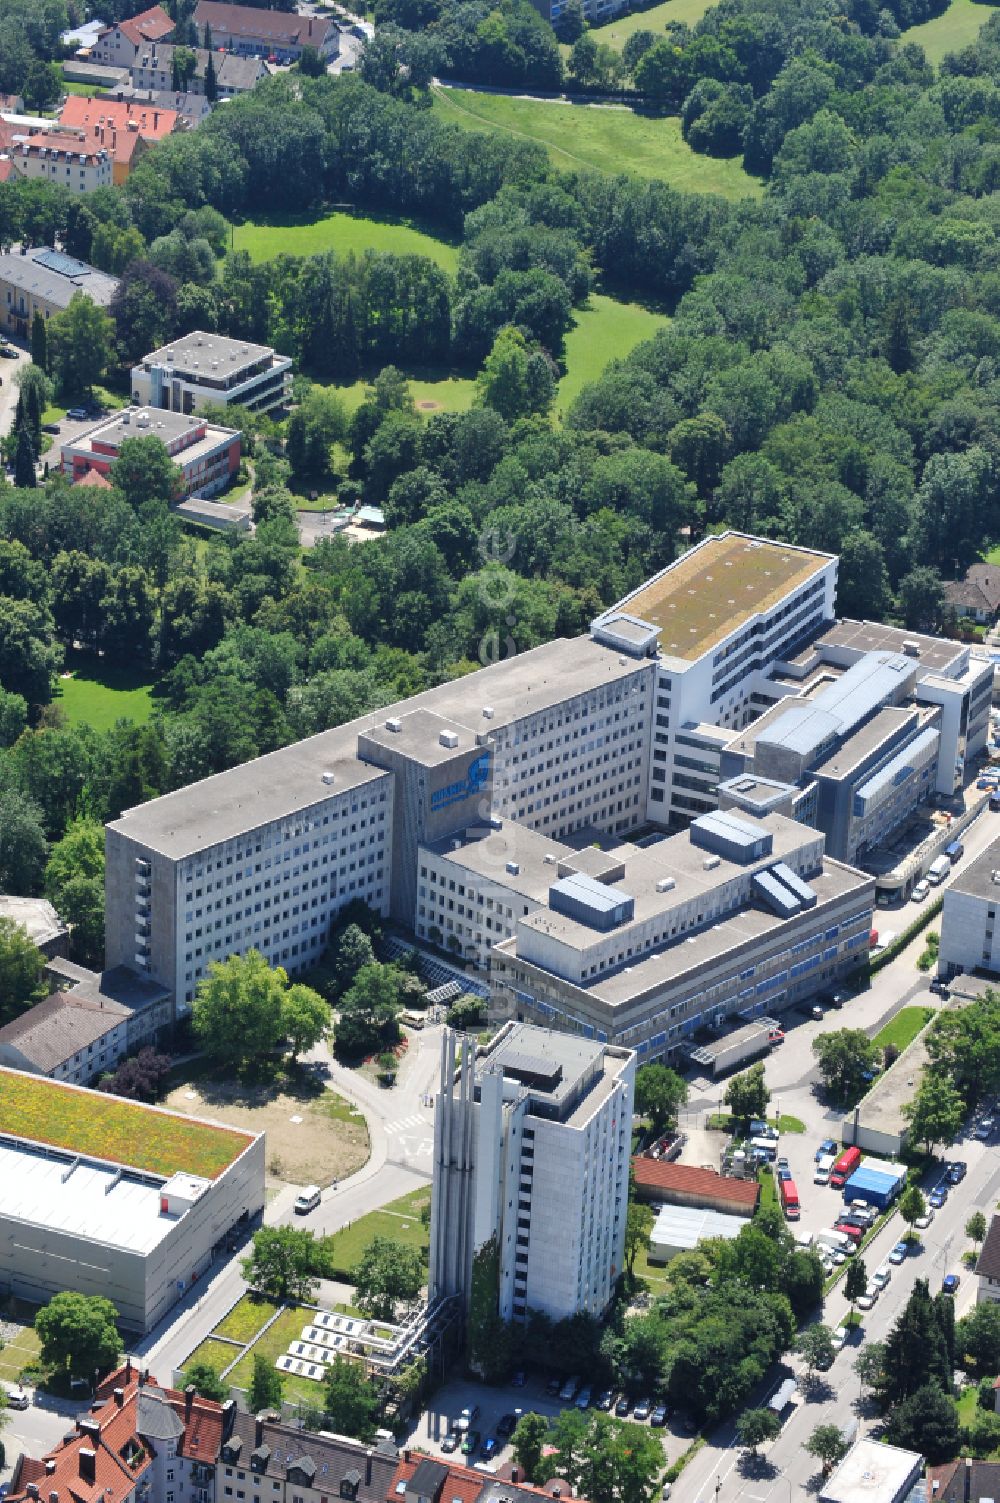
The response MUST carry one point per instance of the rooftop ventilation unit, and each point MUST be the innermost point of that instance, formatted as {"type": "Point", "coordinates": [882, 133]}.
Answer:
{"type": "Point", "coordinates": [512, 868]}
{"type": "Point", "coordinates": [711, 862]}
{"type": "Point", "coordinates": [328, 778]}
{"type": "Point", "coordinates": [911, 648]}
{"type": "Point", "coordinates": [449, 739]}
{"type": "Point", "coordinates": [666, 884]}
{"type": "Point", "coordinates": [487, 712]}
{"type": "Point", "coordinates": [394, 724]}
{"type": "Point", "coordinates": [550, 860]}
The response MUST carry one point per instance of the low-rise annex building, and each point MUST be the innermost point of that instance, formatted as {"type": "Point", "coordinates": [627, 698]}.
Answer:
{"type": "Point", "coordinates": [207, 456]}
{"type": "Point", "coordinates": [111, 1197]}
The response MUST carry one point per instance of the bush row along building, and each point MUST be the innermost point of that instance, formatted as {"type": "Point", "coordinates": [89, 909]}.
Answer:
{"type": "Point", "coordinates": [493, 815]}
{"type": "Point", "coordinates": [142, 1443]}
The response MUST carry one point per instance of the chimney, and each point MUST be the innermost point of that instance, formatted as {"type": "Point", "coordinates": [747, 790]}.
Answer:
{"type": "Point", "coordinates": [258, 1430]}
{"type": "Point", "coordinates": [156, 119]}
{"type": "Point", "coordinates": [128, 1369]}
{"type": "Point", "coordinates": [144, 1377]}
{"type": "Point", "coordinates": [515, 1474]}
{"type": "Point", "coordinates": [88, 1464]}
{"type": "Point", "coordinates": [228, 1418]}
{"type": "Point", "coordinates": [368, 1466]}
{"type": "Point", "coordinates": [119, 1397]}
{"type": "Point", "coordinates": [54, 1496]}
{"type": "Point", "coordinates": [189, 1393]}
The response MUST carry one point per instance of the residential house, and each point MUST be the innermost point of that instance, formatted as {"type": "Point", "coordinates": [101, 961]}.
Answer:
{"type": "Point", "coordinates": [190, 109]}
{"type": "Point", "coordinates": [138, 1444]}
{"type": "Point", "coordinates": [68, 159]}
{"type": "Point", "coordinates": [988, 1265]}
{"type": "Point", "coordinates": [427, 1479]}
{"type": "Point", "coordinates": [976, 596]}
{"type": "Point", "coordinates": [278, 36]}
{"type": "Point", "coordinates": [119, 44]}
{"type": "Point", "coordinates": [963, 1481]}
{"type": "Point", "coordinates": [122, 128]}
{"type": "Point", "coordinates": [264, 1461]}
{"type": "Point", "coordinates": [45, 281]}
{"type": "Point", "coordinates": [153, 69]}
{"type": "Point", "coordinates": [88, 1024]}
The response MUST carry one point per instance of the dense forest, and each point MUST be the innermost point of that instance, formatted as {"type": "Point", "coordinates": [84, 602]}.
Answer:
{"type": "Point", "coordinates": [829, 376]}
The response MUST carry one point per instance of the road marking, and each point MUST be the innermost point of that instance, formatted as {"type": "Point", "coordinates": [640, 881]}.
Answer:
{"type": "Point", "coordinates": [402, 1123]}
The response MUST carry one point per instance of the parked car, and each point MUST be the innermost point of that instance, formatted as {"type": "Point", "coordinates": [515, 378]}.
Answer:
{"type": "Point", "coordinates": [839, 1338]}
{"type": "Point", "coordinates": [471, 1442]}
{"type": "Point", "coordinates": [867, 1300]}
{"type": "Point", "coordinates": [920, 891]}
{"type": "Point", "coordinates": [950, 1283]}
{"type": "Point", "coordinates": [957, 1170]}
{"type": "Point", "coordinates": [489, 1448]}
{"type": "Point", "coordinates": [776, 1036]}
{"type": "Point", "coordinates": [506, 1425]}
{"type": "Point", "coordinates": [568, 1391]}
{"type": "Point", "coordinates": [881, 1276]}
{"type": "Point", "coordinates": [450, 1443]}
{"type": "Point", "coordinates": [898, 1254]}
{"type": "Point", "coordinates": [782, 1163]}
{"type": "Point", "coordinates": [552, 1387]}
{"type": "Point", "coordinates": [7, 352]}
{"type": "Point", "coordinates": [984, 1129]}
{"type": "Point", "coordinates": [307, 1201]}
{"type": "Point", "coordinates": [938, 986]}
{"type": "Point", "coordinates": [583, 1399]}
{"type": "Point", "coordinates": [937, 1197]}
{"type": "Point", "coordinates": [17, 1397]}
{"type": "Point", "coordinates": [924, 1221]}
{"type": "Point", "coordinates": [659, 1415]}
{"type": "Point", "coordinates": [851, 1229]}
{"type": "Point", "coordinates": [623, 1406]}
{"type": "Point", "coordinates": [76, 413]}
{"type": "Point", "coordinates": [519, 1379]}
{"type": "Point", "coordinates": [827, 1146]}
{"type": "Point", "coordinates": [467, 1417]}
{"type": "Point", "coordinates": [821, 1177]}
{"type": "Point", "coordinates": [785, 1173]}
{"type": "Point", "coordinates": [817, 1013]}
{"type": "Point", "coordinates": [605, 1400]}
{"type": "Point", "coordinates": [642, 1410]}
{"type": "Point", "coordinates": [50, 427]}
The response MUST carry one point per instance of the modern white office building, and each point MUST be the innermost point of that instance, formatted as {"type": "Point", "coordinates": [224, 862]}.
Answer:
{"type": "Point", "coordinates": [199, 370]}
{"type": "Point", "coordinates": [532, 1141]}
{"type": "Point", "coordinates": [969, 941]}
{"type": "Point", "coordinates": [111, 1197]}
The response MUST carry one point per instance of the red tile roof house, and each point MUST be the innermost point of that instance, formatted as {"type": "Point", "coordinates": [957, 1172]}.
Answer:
{"type": "Point", "coordinates": [119, 45]}
{"type": "Point", "coordinates": [686, 1185]}
{"type": "Point", "coordinates": [279, 35]}
{"type": "Point", "coordinates": [134, 1438]}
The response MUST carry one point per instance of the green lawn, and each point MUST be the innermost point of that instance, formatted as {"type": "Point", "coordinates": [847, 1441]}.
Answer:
{"type": "Point", "coordinates": [17, 1353]}
{"type": "Point", "coordinates": [248, 1316]}
{"type": "Point", "coordinates": [218, 1354]}
{"type": "Point", "coordinates": [111, 1128]}
{"type": "Point", "coordinates": [959, 25]}
{"type": "Point", "coordinates": [287, 1328]}
{"type": "Point", "coordinates": [768, 1189]}
{"type": "Point", "coordinates": [617, 32]}
{"type": "Point", "coordinates": [400, 1221]}
{"type": "Point", "coordinates": [342, 233]}
{"type": "Point", "coordinates": [605, 330]}
{"type": "Point", "coordinates": [445, 394]}
{"type": "Point", "coordinates": [606, 138]}
{"type": "Point", "coordinates": [99, 693]}
{"type": "Point", "coordinates": [904, 1027]}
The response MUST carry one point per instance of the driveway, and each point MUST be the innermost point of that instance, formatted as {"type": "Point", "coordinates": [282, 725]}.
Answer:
{"type": "Point", "coordinates": [9, 391]}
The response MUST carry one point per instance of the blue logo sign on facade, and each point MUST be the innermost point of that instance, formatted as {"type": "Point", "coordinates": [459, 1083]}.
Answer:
{"type": "Point", "coordinates": [474, 781]}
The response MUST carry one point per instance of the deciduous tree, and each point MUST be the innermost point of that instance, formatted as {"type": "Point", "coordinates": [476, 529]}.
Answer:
{"type": "Point", "coordinates": [281, 1263]}
{"type": "Point", "coordinates": [351, 1400]}
{"type": "Point", "coordinates": [21, 971]}
{"type": "Point", "coordinates": [755, 1427]}
{"type": "Point", "coordinates": [388, 1273]}
{"type": "Point", "coordinates": [747, 1094]}
{"type": "Point", "coordinates": [936, 1112]}
{"type": "Point", "coordinates": [659, 1094]}
{"type": "Point", "coordinates": [78, 1333]}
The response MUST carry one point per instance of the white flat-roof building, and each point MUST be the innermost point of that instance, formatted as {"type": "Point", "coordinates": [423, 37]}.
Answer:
{"type": "Point", "coordinates": [968, 917]}
{"type": "Point", "coordinates": [202, 369]}
{"type": "Point", "coordinates": [873, 1472]}
{"type": "Point", "coordinates": [532, 1142]}
{"type": "Point", "coordinates": [134, 1223]}
{"type": "Point", "coordinates": [678, 1229]}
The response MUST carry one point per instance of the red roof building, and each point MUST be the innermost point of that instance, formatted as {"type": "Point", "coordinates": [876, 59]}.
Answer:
{"type": "Point", "coordinates": [122, 128]}
{"type": "Point", "coordinates": [687, 1185]}
{"type": "Point", "coordinates": [119, 1448]}
{"type": "Point", "coordinates": [119, 44]}
{"type": "Point", "coordinates": [434, 1480]}
{"type": "Point", "coordinates": [96, 479]}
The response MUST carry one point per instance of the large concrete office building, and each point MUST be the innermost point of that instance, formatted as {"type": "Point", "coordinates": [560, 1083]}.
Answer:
{"type": "Point", "coordinates": [532, 1138]}
{"type": "Point", "coordinates": [646, 946]}
{"type": "Point", "coordinates": [105, 1196]}
{"type": "Point", "coordinates": [459, 811]}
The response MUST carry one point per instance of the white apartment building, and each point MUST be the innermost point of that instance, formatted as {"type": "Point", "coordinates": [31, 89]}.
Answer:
{"type": "Point", "coordinates": [202, 369]}
{"type": "Point", "coordinates": [64, 158]}
{"type": "Point", "coordinates": [969, 938]}
{"type": "Point", "coordinates": [532, 1145]}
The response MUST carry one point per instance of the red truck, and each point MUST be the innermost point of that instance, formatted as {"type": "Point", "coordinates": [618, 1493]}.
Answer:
{"type": "Point", "coordinates": [789, 1199]}
{"type": "Point", "coordinates": [845, 1167]}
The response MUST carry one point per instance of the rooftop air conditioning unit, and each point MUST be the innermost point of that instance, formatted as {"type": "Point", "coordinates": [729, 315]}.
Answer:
{"type": "Point", "coordinates": [549, 859]}
{"type": "Point", "coordinates": [711, 862]}
{"type": "Point", "coordinates": [449, 739]}
{"type": "Point", "coordinates": [487, 712]}
{"type": "Point", "coordinates": [328, 778]}
{"type": "Point", "coordinates": [666, 884]}
{"type": "Point", "coordinates": [394, 724]}
{"type": "Point", "coordinates": [512, 868]}
{"type": "Point", "coordinates": [911, 648]}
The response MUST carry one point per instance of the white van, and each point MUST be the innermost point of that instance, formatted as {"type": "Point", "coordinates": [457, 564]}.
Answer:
{"type": "Point", "coordinates": [938, 870]}
{"type": "Point", "coordinates": [803, 1239]}
{"type": "Point", "coordinates": [882, 1275]}
{"type": "Point", "coordinates": [308, 1200]}
{"type": "Point", "coordinates": [838, 1240]}
{"type": "Point", "coordinates": [821, 1174]}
